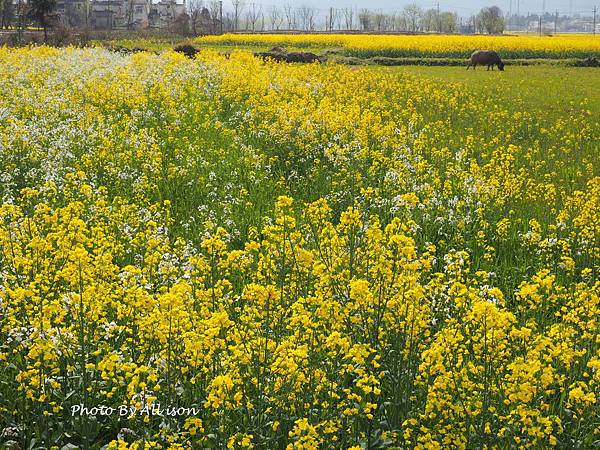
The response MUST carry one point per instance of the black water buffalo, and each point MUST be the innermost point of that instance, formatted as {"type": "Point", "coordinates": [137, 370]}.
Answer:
{"type": "Point", "coordinates": [487, 58]}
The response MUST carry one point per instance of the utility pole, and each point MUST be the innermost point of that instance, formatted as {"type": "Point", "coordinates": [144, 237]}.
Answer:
{"type": "Point", "coordinates": [439, 21]}
{"type": "Point", "coordinates": [594, 27]}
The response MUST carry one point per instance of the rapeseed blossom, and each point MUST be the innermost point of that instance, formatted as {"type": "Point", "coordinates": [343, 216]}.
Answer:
{"type": "Point", "coordinates": [308, 256]}
{"type": "Point", "coordinates": [563, 46]}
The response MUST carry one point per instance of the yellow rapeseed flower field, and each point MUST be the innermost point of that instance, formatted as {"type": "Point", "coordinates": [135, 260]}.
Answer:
{"type": "Point", "coordinates": [222, 252]}
{"type": "Point", "coordinates": [367, 45]}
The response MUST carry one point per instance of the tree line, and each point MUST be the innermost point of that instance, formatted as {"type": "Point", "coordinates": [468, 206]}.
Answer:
{"type": "Point", "coordinates": [213, 16]}
{"type": "Point", "coordinates": [241, 15]}
{"type": "Point", "coordinates": [20, 13]}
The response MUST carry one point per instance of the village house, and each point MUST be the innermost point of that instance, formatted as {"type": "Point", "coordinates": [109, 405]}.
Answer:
{"type": "Point", "coordinates": [119, 14]}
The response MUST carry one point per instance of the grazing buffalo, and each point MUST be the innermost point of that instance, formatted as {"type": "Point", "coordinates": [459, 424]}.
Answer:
{"type": "Point", "coordinates": [487, 58]}
{"type": "Point", "coordinates": [188, 50]}
{"type": "Point", "coordinates": [291, 57]}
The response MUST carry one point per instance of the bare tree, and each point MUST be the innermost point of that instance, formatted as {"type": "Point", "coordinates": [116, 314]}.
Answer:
{"type": "Point", "coordinates": [290, 16]}
{"type": "Point", "coordinates": [379, 20]}
{"type": "Point", "coordinates": [181, 24]}
{"type": "Point", "coordinates": [195, 8]}
{"type": "Point", "coordinates": [7, 12]}
{"type": "Point", "coordinates": [228, 20]}
{"type": "Point", "coordinates": [214, 9]}
{"type": "Point", "coordinates": [413, 14]}
{"type": "Point", "coordinates": [40, 11]}
{"type": "Point", "coordinates": [338, 20]}
{"type": "Point", "coordinates": [238, 7]}
{"type": "Point", "coordinates": [392, 21]}
{"type": "Point", "coordinates": [130, 23]}
{"type": "Point", "coordinates": [400, 23]}
{"type": "Point", "coordinates": [348, 17]}
{"type": "Point", "coordinates": [275, 17]}
{"type": "Point", "coordinates": [364, 18]}
{"type": "Point", "coordinates": [332, 16]}
{"type": "Point", "coordinates": [429, 20]}
{"type": "Point", "coordinates": [21, 12]}
{"type": "Point", "coordinates": [307, 17]}
{"type": "Point", "coordinates": [253, 15]}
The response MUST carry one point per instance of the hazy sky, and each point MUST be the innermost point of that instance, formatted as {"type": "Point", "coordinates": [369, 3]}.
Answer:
{"type": "Point", "coordinates": [462, 7]}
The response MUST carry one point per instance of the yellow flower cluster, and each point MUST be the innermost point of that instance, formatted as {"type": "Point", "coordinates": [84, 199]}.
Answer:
{"type": "Point", "coordinates": [228, 253]}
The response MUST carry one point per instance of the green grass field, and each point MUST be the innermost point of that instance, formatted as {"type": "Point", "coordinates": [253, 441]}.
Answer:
{"type": "Point", "coordinates": [563, 89]}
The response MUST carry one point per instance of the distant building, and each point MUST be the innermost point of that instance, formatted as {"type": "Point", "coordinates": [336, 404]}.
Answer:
{"type": "Point", "coordinates": [164, 13]}
{"type": "Point", "coordinates": [119, 14]}
{"type": "Point", "coordinates": [73, 13]}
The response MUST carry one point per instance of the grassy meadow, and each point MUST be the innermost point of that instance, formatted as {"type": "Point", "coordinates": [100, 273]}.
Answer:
{"type": "Point", "coordinates": [222, 252]}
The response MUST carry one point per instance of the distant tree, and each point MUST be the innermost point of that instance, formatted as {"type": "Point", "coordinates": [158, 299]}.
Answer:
{"type": "Point", "coordinates": [392, 21]}
{"type": "Point", "coordinates": [449, 22]}
{"type": "Point", "coordinates": [130, 24]}
{"type": "Point", "coordinates": [364, 18]}
{"type": "Point", "coordinates": [380, 21]}
{"type": "Point", "coordinates": [290, 16]}
{"type": "Point", "coordinates": [275, 17]}
{"type": "Point", "coordinates": [490, 20]}
{"type": "Point", "coordinates": [332, 16]}
{"type": "Point", "coordinates": [307, 17]}
{"type": "Point", "coordinates": [40, 11]}
{"type": "Point", "coordinates": [228, 20]}
{"type": "Point", "coordinates": [429, 20]}
{"type": "Point", "coordinates": [253, 16]}
{"type": "Point", "coordinates": [238, 7]}
{"type": "Point", "coordinates": [195, 8]}
{"type": "Point", "coordinates": [181, 24]}
{"type": "Point", "coordinates": [20, 15]}
{"type": "Point", "coordinates": [338, 19]}
{"type": "Point", "coordinates": [348, 17]}
{"type": "Point", "coordinates": [7, 13]}
{"type": "Point", "coordinates": [413, 14]}
{"type": "Point", "coordinates": [214, 9]}
{"type": "Point", "coordinates": [400, 23]}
